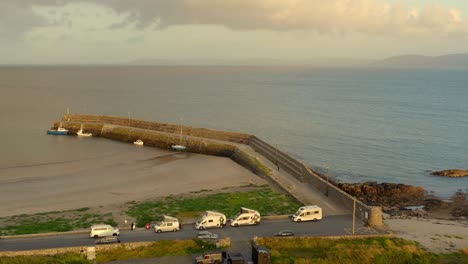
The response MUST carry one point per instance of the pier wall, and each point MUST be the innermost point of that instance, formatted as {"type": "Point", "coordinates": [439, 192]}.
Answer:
{"type": "Point", "coordinates": [305, 175]}
{"type": "Point", "coordinates": [165, 135]}
{"type": "Point", "coordinates": [162, 127]}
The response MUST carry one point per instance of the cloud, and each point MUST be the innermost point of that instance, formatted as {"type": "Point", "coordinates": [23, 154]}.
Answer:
{"type": "Point", "coordinates": [15, 19]}
{"type": "Point", "coordinates": [324, 16]}
{"type": "Point", "coordinates": [371, 17]}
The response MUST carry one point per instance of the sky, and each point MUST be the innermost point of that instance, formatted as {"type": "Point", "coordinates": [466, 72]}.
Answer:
{"type": "Point", "coordinates": [122, 31]}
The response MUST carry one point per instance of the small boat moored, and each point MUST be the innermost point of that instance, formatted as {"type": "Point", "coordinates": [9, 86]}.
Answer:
{"type": "Point", "coordinates": [58, 131]}
{"type": "Point", "coordinates": [83, 134]}
{"type": "Point", "coordinates": [178, 147]}
{"type": "Point", "coordinates": [139, 142]}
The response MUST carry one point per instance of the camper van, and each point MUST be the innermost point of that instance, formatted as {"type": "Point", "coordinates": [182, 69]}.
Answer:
{"type": "Point", "coordinates": [211, 219]}
{"type": "Point", "coordinates": [246, 216]}
{"type": "Point", "coordinates": [103, 231]}
{"type": "Point", "coordinates": [168, 224]}
{"type": "Point", "coordinates": [307, 213]}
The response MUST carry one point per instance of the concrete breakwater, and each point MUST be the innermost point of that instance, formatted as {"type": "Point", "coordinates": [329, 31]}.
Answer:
{"type": "Point", "coordinates": [218, 143]}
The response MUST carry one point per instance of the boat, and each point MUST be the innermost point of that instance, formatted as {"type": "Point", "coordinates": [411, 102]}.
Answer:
{"type": "Point", "coordinates": [179, 147]}
{"type": "Point", "coordinates": [83, 134]}
{"type": "Point", "coordinates": [139, 142]}
{"type": "Point", "coordinates": [58, 131]}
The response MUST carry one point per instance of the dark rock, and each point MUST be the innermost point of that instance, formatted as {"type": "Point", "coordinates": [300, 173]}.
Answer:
{"type": "Point", "coordinates": [451, 173]}
{"type": "Point", "coordinates": [384, 194]}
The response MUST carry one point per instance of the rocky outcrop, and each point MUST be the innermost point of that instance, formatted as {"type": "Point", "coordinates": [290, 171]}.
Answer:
{"type": "Point", "coordinates": [384, 194]}
{"type": "Point", "coordinates": [451, 173]}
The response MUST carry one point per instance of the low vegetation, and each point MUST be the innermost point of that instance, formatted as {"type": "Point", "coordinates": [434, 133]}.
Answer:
{"type": "Point", "coordinates": [262, 198]}
{"type": "Point", "coordinates": [56, 221]}
{"type": "Point", "coordinates": [360, 251]}
{"type": "Point", "coordinates": [69, 258]}
{"type": "Point", "coordinates": [156, 249]}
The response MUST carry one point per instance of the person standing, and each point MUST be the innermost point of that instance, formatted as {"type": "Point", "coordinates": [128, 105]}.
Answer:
{"type": "Point", "coordinates": [132, 226]}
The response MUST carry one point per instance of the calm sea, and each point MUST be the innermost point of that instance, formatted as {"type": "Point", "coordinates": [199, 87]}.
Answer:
{"type": "Point", "coordinates": [364, 124]}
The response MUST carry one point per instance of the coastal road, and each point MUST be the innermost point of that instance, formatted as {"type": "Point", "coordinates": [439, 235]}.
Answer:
{"type": "Point", "coordinates": [328, 226]}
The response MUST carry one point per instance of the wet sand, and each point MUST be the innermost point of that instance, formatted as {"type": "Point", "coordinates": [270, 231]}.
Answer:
{"type": "Point", "coordinates": [114, 179]}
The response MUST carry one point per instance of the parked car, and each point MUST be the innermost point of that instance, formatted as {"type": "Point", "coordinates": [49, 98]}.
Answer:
{"type": "Point", "coordinates": [103, 231]}
{"type": "Point", "coordinates": [284, 233]}
{"type": "Point", "coordinates": [108, 240]}
{"type": "Point", "coordinates": [207, 235]}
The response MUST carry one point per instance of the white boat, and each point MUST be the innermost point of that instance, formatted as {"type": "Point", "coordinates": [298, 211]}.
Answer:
{"type": "Point", "coordinates": [179, 147]}
{"type": "Point", "coordinates": [139, 142]}
{"type": "Point", "coordinates": [83, 134]}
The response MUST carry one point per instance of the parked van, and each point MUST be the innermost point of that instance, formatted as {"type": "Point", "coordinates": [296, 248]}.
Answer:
{"type": "Point", "coordinates": [168, 224]}
{"type": "Point", "coordinates": [211, 219]}
{"type": "Point", "coordinates": [246, 216]}
{"type": "Point", "coordinates": [103, 231]}
{"type": "Point", "coordinates": [307, 213]}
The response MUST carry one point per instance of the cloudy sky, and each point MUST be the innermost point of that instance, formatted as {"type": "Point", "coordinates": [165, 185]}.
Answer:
{"type": "Point", "coordinates": [118, 31]}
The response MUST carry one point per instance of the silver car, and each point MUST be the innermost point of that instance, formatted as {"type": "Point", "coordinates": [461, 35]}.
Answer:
{"type": "Point", "coordinates": [206, 235]}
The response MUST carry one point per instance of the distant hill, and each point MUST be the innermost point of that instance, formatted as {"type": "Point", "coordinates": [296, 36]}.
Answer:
{"type": "Point", "coordinates": [453, 61]}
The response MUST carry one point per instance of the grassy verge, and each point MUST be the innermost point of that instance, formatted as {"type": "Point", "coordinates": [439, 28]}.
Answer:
{"type": "Point", "coordinates": [366, 250]}
{"type": "Point", "coordinates": [73, 258]}
{"type": "Point", "coordinates": [52, 222]}
{"type": "Point", "coordinates": [263, 199]}
{"type": "Point", "coordinates": [157, 249]}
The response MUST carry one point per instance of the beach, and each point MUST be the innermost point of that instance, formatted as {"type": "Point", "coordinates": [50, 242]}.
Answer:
{"type": "Point", "coordinates": [109, 180]}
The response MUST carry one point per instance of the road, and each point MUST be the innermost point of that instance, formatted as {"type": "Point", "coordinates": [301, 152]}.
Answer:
{"type": "Point", "coordinates": [328, 226]}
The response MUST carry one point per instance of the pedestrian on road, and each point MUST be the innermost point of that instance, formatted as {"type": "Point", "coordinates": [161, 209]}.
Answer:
{"type": "Point", "coordinates": [132, 226]}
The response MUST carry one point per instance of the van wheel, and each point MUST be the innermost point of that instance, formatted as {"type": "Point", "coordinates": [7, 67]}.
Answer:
{"type": "Point", "coordinates": [236, 224]}
{"type": "Point", "coordinates": [315, 220]}
{"type": "Point", "coordinates": [299, 220]}
{"type": "Point", "coordinates": [175, 230]}
{"type": "Point", "coordinates": [255, 223]}
{"type": "Point", "coordinates": [159, 231]}
{"type": "Point", "coordinates": [201, 228]}
{"type": "Point", "coordinates": [96, 236]}
{"type": "Point", "coordinates": [114, 234]}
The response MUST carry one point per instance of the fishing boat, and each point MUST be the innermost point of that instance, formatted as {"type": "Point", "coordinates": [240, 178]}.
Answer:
{"type": "Point", "coordinates": [58, 131]}
{"type": "Point", "coordinates": [139, 142]}
{"type": "Point", "coordinates": [83, 134]}
{"type": "Point", "coordinates": [179, 147]}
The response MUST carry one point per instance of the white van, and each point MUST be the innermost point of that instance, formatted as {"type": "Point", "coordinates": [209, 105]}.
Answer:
{"type": "Point", "coordinates": [246, 216]}
{"type": "Point", "coordinates": [307, 213]}
{"type": "Point", "coordinates": [103, 231]}
{"type": "Point", "coordinates": [211, 219]}
{"type": "Point", "coordinates": [168, 224]}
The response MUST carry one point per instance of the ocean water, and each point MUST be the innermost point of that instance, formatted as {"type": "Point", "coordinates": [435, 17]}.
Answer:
{"type": "Point", "coordinates": [384, 125]}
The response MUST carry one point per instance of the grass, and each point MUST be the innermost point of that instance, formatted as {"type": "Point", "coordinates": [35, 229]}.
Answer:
{"type": "Point", "coordinates": [72, 258]}
{"type": "Point", "coordinates": [361, 250]}
{"type": "Point", "coordinates": [54, 221]}
{"type": "Point", "coordinates": [156, 249]}
{"type": "Point", "coordinates": [263, 199]}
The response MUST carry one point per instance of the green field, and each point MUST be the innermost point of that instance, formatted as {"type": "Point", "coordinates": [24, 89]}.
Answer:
{"type": "Point", "coordinates": [379, 250]}
{"type": "Point", "coordinates": [263, 199]}
{"type": "Point", "coordinates": [57, 221]}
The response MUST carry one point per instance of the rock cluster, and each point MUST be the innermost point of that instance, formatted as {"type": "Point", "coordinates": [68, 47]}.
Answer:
{"type": "Point", "coordinates": [384, 194]}
{"type": "Point", "coordinates": [451, 173]}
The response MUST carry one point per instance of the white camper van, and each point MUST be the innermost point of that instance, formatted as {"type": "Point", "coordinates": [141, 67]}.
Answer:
{"type": "Point", "coordinates": [246, 216]}
{"type": "Point", "coordinates": [211, 219]}
{"type": "Point", "coordinates": [103, 231]}
{"type": "Point", "coordinates": [168, 224]}
{"type": "Point", "coordinates": [307, 213]}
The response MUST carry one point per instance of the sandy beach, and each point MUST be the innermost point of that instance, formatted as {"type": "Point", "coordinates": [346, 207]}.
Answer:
{"type": "Point", "coordinates": [114, 179]}
{"type": "Point", "coordinates": [433, 234]}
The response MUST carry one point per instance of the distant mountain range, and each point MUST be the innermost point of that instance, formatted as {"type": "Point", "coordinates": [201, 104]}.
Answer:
{"type": "Point", "coordinates": [451, 61]}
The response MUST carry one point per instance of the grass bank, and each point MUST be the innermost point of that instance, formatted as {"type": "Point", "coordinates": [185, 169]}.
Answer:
{"type": "Point", "coordinates": [360, 251]}
{"type": "Point", "coordinates": [156, 249]}
{"type": "Point", "coordinates": [69, 258]}
{"type": "Point", "coordinates": [56, 221]}
{"type": "Point", "coordinates": [262, 198]}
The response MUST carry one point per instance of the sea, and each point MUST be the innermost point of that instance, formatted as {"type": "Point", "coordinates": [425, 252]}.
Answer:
{"type": "Point", "coordinates": [354, 124]}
